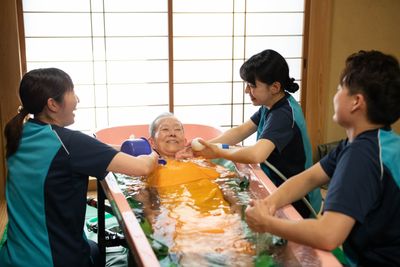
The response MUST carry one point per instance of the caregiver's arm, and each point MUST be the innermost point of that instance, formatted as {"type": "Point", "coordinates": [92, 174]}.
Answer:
{"type": "Point", "coordinates": [236, 135]}
{"type": "Point", "coordinates": [327, 232]}
{"type": "Point", "coordinates": [134, 166]}
{"type": "Point", "coordinates": [296, 187]}
{"type": "Point", "coordinates": [256, 153]}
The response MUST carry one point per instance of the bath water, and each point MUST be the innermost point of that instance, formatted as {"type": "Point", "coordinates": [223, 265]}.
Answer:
{"type": "Point", "coordinates": [193, 212]}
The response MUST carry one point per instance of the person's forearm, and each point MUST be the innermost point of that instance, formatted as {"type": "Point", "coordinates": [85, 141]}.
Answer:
{"type": "Point", "coordinates": [298, 186]}
{"type": "Point", "coordinates": [249, 155]}
{"type": "Point", "coordinates": [134, 166]}
{"type": "Point", "coordinates": [236, 135]}
{"type": "Point", "coordinates": [289, 192]}
{"type": "Point", "coordinates": [240, 155]}
{"type": "Point", "coordinates": [230, 137]}
{"type": "Point", "coordinates": [148, 162]}
{"type": "Point", "coordinates": [308, 232]}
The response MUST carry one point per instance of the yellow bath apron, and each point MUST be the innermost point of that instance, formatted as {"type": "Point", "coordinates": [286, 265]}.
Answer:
{"type": "Point", "coordinates": [194, 218]}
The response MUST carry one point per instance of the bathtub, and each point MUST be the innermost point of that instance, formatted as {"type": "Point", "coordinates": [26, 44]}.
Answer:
{"type": "Point", "coordinates": [260, 185]}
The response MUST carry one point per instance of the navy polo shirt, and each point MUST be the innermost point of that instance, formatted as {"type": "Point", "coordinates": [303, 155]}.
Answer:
{"type": "Point", "coordinates": [285, 127]}
{"type": "Point", "coordinates": [365, 185]}
{"type": "Point", "coordinates": [46, 196]}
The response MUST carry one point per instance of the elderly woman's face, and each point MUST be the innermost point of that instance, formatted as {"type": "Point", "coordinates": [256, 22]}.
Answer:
{"type": "Point", "coordinates": [169, 137]}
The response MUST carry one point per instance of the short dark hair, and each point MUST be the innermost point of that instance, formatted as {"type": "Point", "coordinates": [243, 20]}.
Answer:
{"type": "Point", "coordinates": [268, 67]}
{"type": "Point", "coordinates": [377, 77]}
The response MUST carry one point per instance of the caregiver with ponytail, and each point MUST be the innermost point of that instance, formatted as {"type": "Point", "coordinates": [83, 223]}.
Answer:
{"type": "Point", "coordinates": [48, 169]}
{"type": "Point", "coordinates": [282, 137]}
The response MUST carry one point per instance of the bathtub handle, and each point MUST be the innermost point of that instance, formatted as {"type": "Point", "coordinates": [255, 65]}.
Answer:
{"type": "Point", "coordinates": [272, 167]}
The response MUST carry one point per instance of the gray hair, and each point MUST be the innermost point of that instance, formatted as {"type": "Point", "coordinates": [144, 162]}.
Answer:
{"type": "Point", "coordinates": [154, 123]}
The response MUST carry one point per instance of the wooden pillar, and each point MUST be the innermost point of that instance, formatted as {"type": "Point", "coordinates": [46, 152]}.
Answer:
{"type": "Point", "coordinates": [10, 74]}
{"type": "Point", "coordinates": [316, 51]}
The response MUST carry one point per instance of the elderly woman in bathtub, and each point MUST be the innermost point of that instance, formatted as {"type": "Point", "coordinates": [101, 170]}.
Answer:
{"type": "Point", "coordinates": [193, 216]}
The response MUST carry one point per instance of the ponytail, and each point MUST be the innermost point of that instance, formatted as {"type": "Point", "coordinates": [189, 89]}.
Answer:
{"type": "Point", "coordinates": [291, 86]}
{"type": "Point", "coordinates": [13, 131]}
{"type": "Point", "coordinates": [36, 87]}
{"type": "Point", "coordinates": [268, 67]}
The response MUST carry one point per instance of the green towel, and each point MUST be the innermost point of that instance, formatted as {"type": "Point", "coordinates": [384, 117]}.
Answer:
{"type": "Point", "coordinates": [340, 256]}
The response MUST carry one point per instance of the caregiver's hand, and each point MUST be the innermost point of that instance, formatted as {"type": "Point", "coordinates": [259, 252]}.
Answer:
{"type": "Point", "coordinates": [210, 150]}
{"type": "Point", "coordinates": [259, 213]}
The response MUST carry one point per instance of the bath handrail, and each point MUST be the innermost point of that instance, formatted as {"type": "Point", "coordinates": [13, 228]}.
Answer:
{"type": "Point", "coordinates": [308, 204]}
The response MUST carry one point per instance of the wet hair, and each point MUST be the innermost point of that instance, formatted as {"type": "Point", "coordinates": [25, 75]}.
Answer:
{"type": "Point", "coordinates": [268, 67]}
{"type": "Point", "coordinates": [36, 87]}
{"type": "Point", "coordinates": [377, 77]}
{"type": "Point", "coordinates": [154, 123]}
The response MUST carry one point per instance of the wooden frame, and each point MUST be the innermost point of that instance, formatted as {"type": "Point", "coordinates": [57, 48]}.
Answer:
{"type": "Point", "coordinates": [315, 75]}
{"type": "Point", "coordinates": [12, 64]}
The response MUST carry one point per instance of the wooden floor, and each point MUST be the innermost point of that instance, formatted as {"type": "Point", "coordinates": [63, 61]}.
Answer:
{"type": "Point", "coordinates": [92, 194]}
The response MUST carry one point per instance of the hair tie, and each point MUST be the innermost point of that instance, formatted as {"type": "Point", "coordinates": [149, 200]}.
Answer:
{"type": "Point", "coordinates": [22, 110]}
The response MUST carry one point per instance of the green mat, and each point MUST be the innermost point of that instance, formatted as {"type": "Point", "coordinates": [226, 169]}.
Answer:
{"type": "Point", "coordinates": [115, 256]}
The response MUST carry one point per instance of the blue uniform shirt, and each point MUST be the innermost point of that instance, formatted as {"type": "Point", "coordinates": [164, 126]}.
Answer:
{"type": "Point", "coordinates": [46, 196]}
{"type": "Point", "coordinates": [284, 125]}
{"type": "Point", "coordinates": [365, 185]}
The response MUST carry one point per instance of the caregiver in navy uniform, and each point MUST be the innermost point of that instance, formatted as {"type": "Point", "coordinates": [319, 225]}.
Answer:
{"type": "Point", "coordinates": [361, 210]}
{"type": "Point", "coordinates": [282, 137]}
{"type": "Point", "coordinates": [48, 168]}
